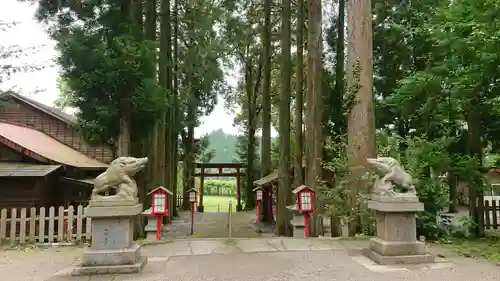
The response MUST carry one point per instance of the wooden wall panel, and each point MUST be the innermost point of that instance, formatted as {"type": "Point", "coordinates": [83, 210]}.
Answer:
{"type": "Point", "coordinates": [24, 114]}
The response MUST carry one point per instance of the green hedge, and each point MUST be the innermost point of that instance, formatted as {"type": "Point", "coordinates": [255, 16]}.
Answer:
{"type": "Point", "coordinates": [220, 187]}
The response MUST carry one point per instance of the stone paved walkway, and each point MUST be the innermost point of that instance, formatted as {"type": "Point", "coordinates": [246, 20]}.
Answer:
{"type": "Point", "coordinates": [269, 259]}
{"type": "Point", "coordinates": [212, 225]}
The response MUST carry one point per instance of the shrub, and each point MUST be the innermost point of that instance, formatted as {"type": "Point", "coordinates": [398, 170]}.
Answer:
{"type": "Point", "coordinates": [220, 187]}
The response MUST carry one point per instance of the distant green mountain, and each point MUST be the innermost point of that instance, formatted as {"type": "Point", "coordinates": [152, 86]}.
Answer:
{"type": "Point", "coordinates": [224, 146]}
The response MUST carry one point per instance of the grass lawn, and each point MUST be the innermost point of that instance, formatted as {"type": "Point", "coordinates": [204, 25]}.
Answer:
{"type": "Point", "coordinates": [218, 203]}
{"type": "Point", "coordinates": [486, 248]}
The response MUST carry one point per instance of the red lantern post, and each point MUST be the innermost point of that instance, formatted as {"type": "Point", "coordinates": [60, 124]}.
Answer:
{"type": "Point", "coordinates": [159, 207]}
{"type": "Point", "coordinates": [259, 193]}
{"type": "Point", "coordinates": [305, 196]}
{"type": "Point", "coordinates": [192, 193]}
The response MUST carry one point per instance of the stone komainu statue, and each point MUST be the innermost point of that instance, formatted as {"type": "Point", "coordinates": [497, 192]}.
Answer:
{"type": "Point", "coordinates": [119, 176]}
{"type": "Point", "coordinates": [393, 173]}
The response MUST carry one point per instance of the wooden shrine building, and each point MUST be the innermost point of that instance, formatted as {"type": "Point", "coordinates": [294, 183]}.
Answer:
{"type": "Point", "coordinates": [269, 184]}
{"type": "Point", "coordinates": [44, 160]}
{"type": "Point", "coordinates": [221, 170]}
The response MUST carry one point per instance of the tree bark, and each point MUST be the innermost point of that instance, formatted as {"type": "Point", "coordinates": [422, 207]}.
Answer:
{"type": "Point", "coordinates": [251, 133]}
{"type": "Point", "coordinates": [162, 76]}
{"type": "Point", "coordinates": [150, 143]}
{"type": "Point", "coordinates": [476, 200]}
{"type": "Point", "coordinates": [135, 11]}
{"type": "Point", "coordinates": [166, 50]}
{"type": "Point", "coordinates": [314, 110]}
{"type": "Point", "coordinates": [340, 128]}
{"type": "Point", "coordinates": [176, 119]}
{"type": "Point", "coordinates": [361, 127]}
{"type": "Point", "coordinates": [340, 55]}
{"type": "Point", "coordinates": [189, 151]}
{"type": "Point", "coordinates": [192, 105]}
{"type": "Point", "coordinates": [266, 104]}
{"type": "Point", "coordinates": [452, 185]}
{"type": "Point", "coordinates": [299, 98]}
{"type": "Point", "coordinates": [124, 143]}
{"type": "Point", "coordinates": [284, 191]}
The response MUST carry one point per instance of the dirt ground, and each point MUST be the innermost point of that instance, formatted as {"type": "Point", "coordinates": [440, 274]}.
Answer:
{"type": "Point", "coordinates": [213, 225]}
{"type": "Point", "coordinates": [270, 259]}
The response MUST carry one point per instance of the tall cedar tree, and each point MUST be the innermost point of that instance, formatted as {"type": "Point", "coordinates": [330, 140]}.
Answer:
{"type": "Point", "coordinates": [361, 124]}
{"type": "Point", "coordinates": [284, 190]}
{"type": "Point", "coordinates": [314, 110]}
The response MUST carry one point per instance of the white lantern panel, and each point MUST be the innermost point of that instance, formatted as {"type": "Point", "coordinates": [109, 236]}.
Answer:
{"type": "Point", "coordinates": [305, 200]}
{"type": "Point", "coordinates": [192, 196]}
{"type": "Point", "coordinates": [159, 203]}
{"type": "Point", "coordinates": [259, 195]}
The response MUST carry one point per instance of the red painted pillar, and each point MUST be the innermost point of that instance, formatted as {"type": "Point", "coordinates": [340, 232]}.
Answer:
{"type": "Point", "coordinates": [277, 204]}
{"type": "Point", "coordinates": [158, 227]}
{"type": "Point", "coordinates": [258, 215]}
{"type": "Point", "coordinates": [192, 217]}
{"type": "Point", "coordinates": [202, 177]}
{"type": "Point", "coordinates": [238, 191]}
{"type": "Point", "coordinates": [306, 225]}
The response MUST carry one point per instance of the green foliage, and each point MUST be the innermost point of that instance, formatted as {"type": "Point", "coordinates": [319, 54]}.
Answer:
{"type": "Point", "coordinates": [336, 201]}
{"type": "Point", "coordinates": [203, 153]}
{"type": "Point", "coordinates": [223, 145]}
{"type": "Point", "coordinates": [220, 187]}
{"type": "Point", "coordinates": [106, 68]}
{"type": "Point", "coordinates": [201, 53]}
{"type": "Point", "coordinates": [484, 248]}
{"type": "Point", "coordinates": [107, 78]}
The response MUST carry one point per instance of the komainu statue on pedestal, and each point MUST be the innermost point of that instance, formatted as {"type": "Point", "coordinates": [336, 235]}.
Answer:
{"type": "Point", "coordinates": [119, 176]}
{"type": "Point", "coordinates": [393, 174]}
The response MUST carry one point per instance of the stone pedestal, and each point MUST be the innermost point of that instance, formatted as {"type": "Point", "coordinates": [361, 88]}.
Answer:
{"type": "Point", "coordinates": [297, 222]}
{"type": "Point", "coordinates": [396, 241]}
{"type": "Point", "coordinates": [112, 249]}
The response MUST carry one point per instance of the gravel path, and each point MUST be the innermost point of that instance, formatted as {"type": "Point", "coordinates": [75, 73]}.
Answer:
{"type": "Point", "coordinates": [35, 264]}
{"type": "Point", "coordinates": [269, 259]}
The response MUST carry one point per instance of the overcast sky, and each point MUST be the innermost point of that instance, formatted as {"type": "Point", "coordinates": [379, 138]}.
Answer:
{"type": "Point", "coordinates": [42, 86]}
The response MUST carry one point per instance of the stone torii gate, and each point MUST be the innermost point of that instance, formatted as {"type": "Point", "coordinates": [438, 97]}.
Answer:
{"type": "Point", "coordinates": [238, 172]}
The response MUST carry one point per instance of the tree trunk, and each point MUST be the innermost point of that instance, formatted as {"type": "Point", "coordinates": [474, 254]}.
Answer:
{"type": "Point", "coordinates": [476, 200]}
{"type": "Point", "coordinates": [251, 135]}
{"type": "Point", "coordinates": [252, 128]}
{"type": "Point", "coordinates": [284, 190]}
{"type": "Point", "coordinates": [361, 127]}
{"type": "Point", "coordinates": [166, 51]}
{"type": "Point", "coordinates": [136, 19]}
{"type": "Point", "coordinates": [314, 112]}
{"type": "Point", "coordinates": [189, 148]}
{"type": "Point", "coordinates": [176, 120]}
{"type": "Point", "coordinates": [452, 185]}
{"type": "Point", "coordinates": [299, 98]}
{"type": "Point", "coordinates": [124, 142]}
{"type": "Point", "coordinates": [266, 104]}
{"type": "Point", "coordinates": [338, 94]}
{"type": "Point", "coordinates": [340, 56]}
{"type": "Point", "coordinates": [162, 77]}
{"type": "Point", "coordinates": [150, 143]}
{"type": "Point", "coordinates": [190, 120]}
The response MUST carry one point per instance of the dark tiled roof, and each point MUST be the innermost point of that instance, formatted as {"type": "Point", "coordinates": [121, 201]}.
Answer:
{"type": "Point", "coordinates": [272, 177]}
{"type": "Point", "coordinates": [55, 112]}
{"type": "Point", "coordinates": [45, 146]}
{"type": "Point", "coordinates": [26, 170]}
